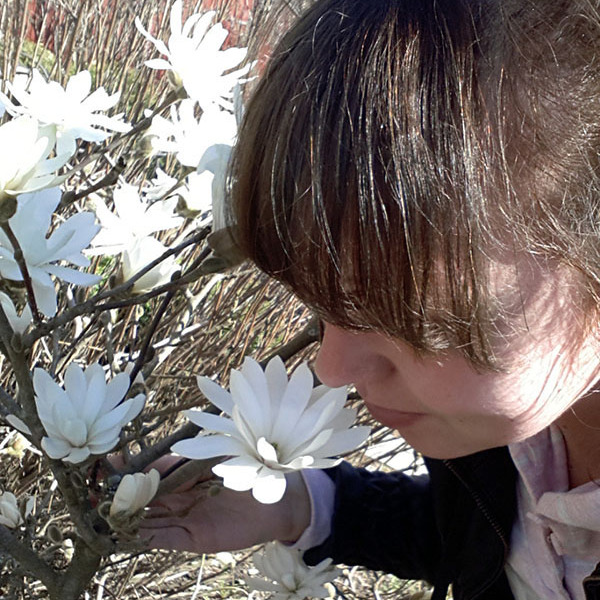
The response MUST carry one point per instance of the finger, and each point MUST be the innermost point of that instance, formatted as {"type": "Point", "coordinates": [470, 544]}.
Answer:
{"type": "Point", "coordinates": [173, 537]}
{"type": "Point", "coordinates": [177, 502]}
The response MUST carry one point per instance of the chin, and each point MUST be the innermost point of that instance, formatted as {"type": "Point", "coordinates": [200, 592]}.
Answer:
{"type": "Point", "coordinates": [438, 450]}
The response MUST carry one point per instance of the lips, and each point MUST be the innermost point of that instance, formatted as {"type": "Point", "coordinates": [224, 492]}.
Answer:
{"type": "Point", "coordinates": [393, 418]}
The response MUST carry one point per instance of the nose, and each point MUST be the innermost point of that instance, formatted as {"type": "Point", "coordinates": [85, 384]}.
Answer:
{"type": "Point", "coordinates": [336, 357]}
{"type": "Point", "coordinates": [350, 357]}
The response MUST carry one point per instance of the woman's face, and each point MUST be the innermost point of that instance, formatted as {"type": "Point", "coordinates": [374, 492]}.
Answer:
{"type": "Point", "coordinates": [442, 406]}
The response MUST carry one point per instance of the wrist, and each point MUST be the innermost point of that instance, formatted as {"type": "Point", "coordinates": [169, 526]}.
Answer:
{"type": "Point", "coordinates": [294, 509]}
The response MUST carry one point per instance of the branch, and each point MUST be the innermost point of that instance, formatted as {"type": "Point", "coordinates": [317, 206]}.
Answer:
{"type": "Point", "coordinates": [95, 304]}
{"type": "Point", "coordinates": [28, 559]}
{"type": "Point", "coordinates": [77, 577]}
{"type": "Point", "coordinates": [140, 461]}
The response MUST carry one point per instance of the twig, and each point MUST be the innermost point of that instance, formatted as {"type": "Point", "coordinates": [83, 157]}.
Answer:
{"type": "Point", "coordinates": [93, 304]}
{"type": "Point", "coordinates": [139, 363]}
{"type": "Point", "coordinates": [301, 340]}
{"type": "Point", "coordinates": [109, 179]}
{"type": "Point", "coordinates": [140, 461]}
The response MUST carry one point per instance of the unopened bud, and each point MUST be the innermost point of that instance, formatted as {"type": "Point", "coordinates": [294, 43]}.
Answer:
{"type": "Point", "coordinates": [54, 534]}
{"type": "Point", "coordinates": [8, 207]}
{"type": "Point", "coordinates": [67, 198]}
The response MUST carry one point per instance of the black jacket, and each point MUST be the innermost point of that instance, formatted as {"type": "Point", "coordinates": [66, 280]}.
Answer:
{"type": "Point", "coordinates": [450, 527]}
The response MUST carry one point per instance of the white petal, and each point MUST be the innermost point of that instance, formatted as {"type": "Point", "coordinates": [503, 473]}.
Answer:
{"type": "Point", "coordinates": [211, 422]}
{"type": "Point", "coordinates": [269, 486]}
{"type": "Point", "coordinates": [208, 446]}
{"type": "Point", "coordinates": [96, 446]}
{"type": "Point", "coordinates": [292, 404]}
{"type": "Point", "coordinates": [55, 448]}
{"type": "Point", "coordinates": [216, 394]}
{"type": "Point", "coordinates": [255, 410]}
{"type": "Point", "coordinates": [77, 455]}
{"type": "Point", "coordinates": [238, 473]}
{"type": "Point", "coordinates": [74, 431]}
{"type": "Point", "coordinates": [344, 441]}
{"type": "Point", "coordinates": [18, 424]}
{"type": "Point", "coordinates": [266, 450]}
{"type": "Point", "coordinates": [116, 389]}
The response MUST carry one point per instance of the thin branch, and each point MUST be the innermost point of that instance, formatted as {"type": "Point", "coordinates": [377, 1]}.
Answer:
{"type": "Point", "coordinates": [93, 304]}
{"type": "Point", "coordinates": [28, 559]}
{"type": "Point", "coordinates": [139, 363]}
{"type": "Point", "coordinates": [140, 461]}
{"type": "Point", "coordinates": [20, 260]}
{"type": "Point", "coordinates": [301, 340]}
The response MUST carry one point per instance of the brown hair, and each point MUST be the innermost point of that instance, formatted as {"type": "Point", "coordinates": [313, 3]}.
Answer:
{"type": "Point", "coordinates": [395, 149]}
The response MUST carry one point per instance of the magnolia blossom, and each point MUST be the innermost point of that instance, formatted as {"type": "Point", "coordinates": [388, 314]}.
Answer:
{"type": "Point", "coordinates": [30, 225]}
{"type": "Point", "coordinates": [134, 219]}
{"type": "Point", "coordinates": [24, 162]}
{"type": "Point", "coordinates": [276, 426]}
{"type": "Point", "coordinates": [194, 56]}
{"type": "Point", "coordinates": [289, 578]}
{"type": "Point", "coordinates": [69, 113]}
{"type": "Point", "coordinates": [87, 415]}
{"type": "Point", "coordinates": [141, 254]}
{"type": "Point", "coordinates": [134, 493]}
{"type": "Point", "coordinates": [189, 137]}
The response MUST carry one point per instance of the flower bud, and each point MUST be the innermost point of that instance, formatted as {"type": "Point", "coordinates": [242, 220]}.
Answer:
{"type": "Point", "coordinates": [54, 534]}
{"type": "Point", "coordinates": [8, 207]}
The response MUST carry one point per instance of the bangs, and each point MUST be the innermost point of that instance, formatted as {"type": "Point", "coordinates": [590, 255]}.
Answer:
{"type": "Point", "coordinates": [358, 179]}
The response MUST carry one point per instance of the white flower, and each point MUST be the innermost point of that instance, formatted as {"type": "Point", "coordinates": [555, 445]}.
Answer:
{"type": "Point", "coordinates": [189, 137]}
{"type": "Point", "coordinates": [24, 162]}
{"type": "Point", "coordinates": [30, 225]}
{"type": "Point", "coordinates": [289, 578]}
{"type": "Point", "coordinates": [134, 219]}
{"type": "Point", "coordinates": [71, 113]}
{"type": "Point", "coordinates": [160, 186]}
{"type": "Point", "coordinates": [19, 323]}
{"type": "Point", "coordinates": [10, 515]}
{"type": "Point", "coordinates": [86, 416]}
{"type": "Point", "coordinates": [276, 426]}
{"type": "Point", "coordinates": [142, 253]}
{"type": "Point", "coordinates": [194, 55]}
{"type": "Point", "coordinates": [134, 493]}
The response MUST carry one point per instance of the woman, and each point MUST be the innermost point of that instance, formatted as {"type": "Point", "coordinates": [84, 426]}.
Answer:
{"type": "Point", "coordinates": [425, 175]}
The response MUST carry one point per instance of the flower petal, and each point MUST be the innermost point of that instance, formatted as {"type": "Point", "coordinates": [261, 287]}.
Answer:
{"type": "Point", "coordinates": [269, 486]}
{"type": "Point", "coordinates": [208, 446]}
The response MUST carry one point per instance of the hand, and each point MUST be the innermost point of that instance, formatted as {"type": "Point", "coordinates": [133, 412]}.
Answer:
{"type": "Point", "coordinates": [203, 516]}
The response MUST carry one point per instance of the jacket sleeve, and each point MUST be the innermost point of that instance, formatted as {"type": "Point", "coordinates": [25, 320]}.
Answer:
{"type": "Point", "coordinates": [383, 521]}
